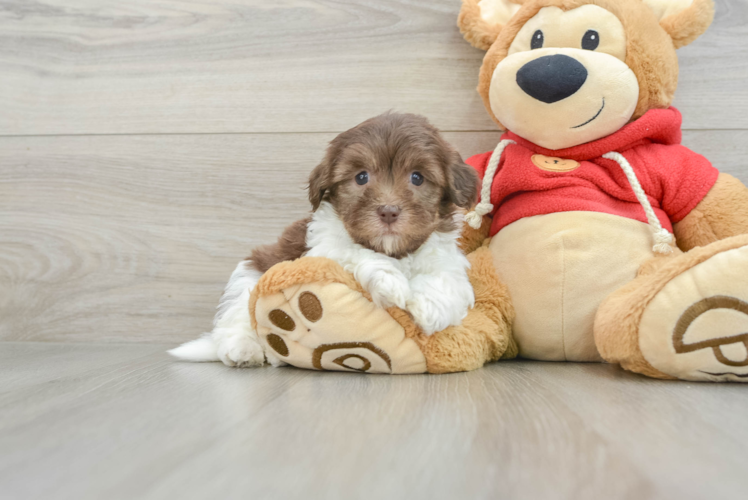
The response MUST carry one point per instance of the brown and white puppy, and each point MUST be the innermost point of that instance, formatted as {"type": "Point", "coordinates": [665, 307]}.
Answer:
{"type": "Point", "coordinates": [385, 205]}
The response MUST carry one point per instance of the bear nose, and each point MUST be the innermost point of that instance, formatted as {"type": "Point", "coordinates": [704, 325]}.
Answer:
{"type": "Point", "coordinates": [552, 78]}
{"type": "Point", "coordinates": [388, 213]}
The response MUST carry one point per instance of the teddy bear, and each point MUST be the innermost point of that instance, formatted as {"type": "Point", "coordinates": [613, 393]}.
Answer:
{"type": "Point", "coordinates": [590, 189]}
{"type": "Point", "coordinates": [598, 236]}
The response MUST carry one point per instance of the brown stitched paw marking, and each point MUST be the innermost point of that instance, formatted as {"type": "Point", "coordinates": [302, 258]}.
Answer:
{"type": "Point", "coordinates": [696, 310]}
{"type": "Point", "coordinates": [365, 363]}
{"type": "Point", "coordinates": [278, 344]}
{"type": "Point", "coordinates": [282, 320]}
{"type": "Point", "coordinates": [310, 306]}
{"type": "Point", "coordinates": [340, 361]}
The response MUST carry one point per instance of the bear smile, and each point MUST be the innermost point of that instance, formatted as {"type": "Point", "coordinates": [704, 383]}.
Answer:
{"type": "Point", "coordinates": [593, 118]}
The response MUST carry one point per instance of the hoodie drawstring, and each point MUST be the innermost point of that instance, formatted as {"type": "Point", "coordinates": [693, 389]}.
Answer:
{"type": "Point", "coordinates": [475, 218]}
{"type": "Point", "coordinates": [663, 239]}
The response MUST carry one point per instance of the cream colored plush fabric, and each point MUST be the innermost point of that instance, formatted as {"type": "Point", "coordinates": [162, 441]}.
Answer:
{"type": "Point", "coordinates": [696, 327]}
{"type": "Point", "coordinates": [328, 326]}
{"type": "Point", "coordinates": [497, 11]}
{"type": "Point", "coordinates": [559, 268]}
{"type": "Point", "coordinates": [667, 8]}
{"type": "Point", "coordinates": [608, 97]}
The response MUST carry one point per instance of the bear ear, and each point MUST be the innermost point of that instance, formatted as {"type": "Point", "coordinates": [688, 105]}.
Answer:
{"type": "Point", "coordinates": [480, 21]}
{"type": "Point", "coordinates": [683, 20]}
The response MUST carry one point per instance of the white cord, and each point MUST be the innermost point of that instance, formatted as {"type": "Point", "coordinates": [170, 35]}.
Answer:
{"type": "Point", "coordinates": [662, 237]}
{"type": "Point", "coordinates": [475, 218]}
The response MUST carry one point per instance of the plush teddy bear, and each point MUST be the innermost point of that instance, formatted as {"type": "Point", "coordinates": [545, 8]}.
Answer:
{"type": "Point", "coordinates": [608, 239]}
{"type": "Point", "coordinates": [591, 181]}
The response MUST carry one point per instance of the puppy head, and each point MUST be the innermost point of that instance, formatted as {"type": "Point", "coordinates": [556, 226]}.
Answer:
{"type": "Point", "coordinates": [561, 73]}
{"type": "Point", "coordinates": [393, 181]}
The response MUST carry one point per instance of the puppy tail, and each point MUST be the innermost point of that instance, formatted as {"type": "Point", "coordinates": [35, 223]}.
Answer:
{"type": "Point", "coordinates": [200, 350]}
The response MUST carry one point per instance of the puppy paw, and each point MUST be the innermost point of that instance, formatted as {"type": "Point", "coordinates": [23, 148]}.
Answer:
{"type": "Point", "coordinates": [428, 314]}
{"type": "Point", "coordinates": [241, 351]}
{"type": "Point", "coordinates": [389, 289]}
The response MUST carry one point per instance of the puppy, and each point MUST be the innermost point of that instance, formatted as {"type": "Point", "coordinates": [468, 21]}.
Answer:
{"type": "Point", "coordinates": [385, 203]}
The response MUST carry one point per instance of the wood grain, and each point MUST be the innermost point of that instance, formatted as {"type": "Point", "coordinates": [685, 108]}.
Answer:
{"type": "Point", "coordinates": [132, 238]}
{"type": "Point", "coordinates": [123, 422]}
{"type": "Point", "coordinates": [199, 66]}
{"type": "Point", "coordinates": [146, 146]}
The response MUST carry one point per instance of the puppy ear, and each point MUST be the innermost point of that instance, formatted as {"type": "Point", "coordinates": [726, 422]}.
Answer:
{"type": "Point", "coordinates": [320, 181]}
{"type": "Point", "coordinates": [480, 21]}
{"type": "Point", "coordinates": [464, 181]}
{"type": "Point", "coordinates": [683, 20]}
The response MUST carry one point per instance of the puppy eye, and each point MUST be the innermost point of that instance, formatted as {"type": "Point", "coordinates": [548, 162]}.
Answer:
{"type": "Point", "coordinates": [591, 40]}
{"type": "Point", "coordinates": [416, 178]}
{"type": "Point", "coordinates": [537, 40]}
{"type": "Point", "coordinates": [362, 178]}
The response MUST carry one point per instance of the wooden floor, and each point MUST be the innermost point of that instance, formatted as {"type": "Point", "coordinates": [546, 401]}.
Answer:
{"type": "Point", "coordinates": [86, 422]}
{"type": "Point", "coordinates": [147, 145]}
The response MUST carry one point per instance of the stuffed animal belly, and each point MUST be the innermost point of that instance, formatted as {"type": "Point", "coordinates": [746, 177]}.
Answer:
{"type": "Point", "coordinates": [559, 268]}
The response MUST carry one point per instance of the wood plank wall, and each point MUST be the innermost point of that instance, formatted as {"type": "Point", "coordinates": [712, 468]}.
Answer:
{"type": "Point", "coordinates": [146, 146]}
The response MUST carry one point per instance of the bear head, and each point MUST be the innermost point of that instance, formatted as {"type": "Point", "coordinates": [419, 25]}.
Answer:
{"type": "Point", "coordinates": [561, 73]}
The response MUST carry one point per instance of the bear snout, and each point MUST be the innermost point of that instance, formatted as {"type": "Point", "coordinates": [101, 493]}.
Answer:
{"type": "Point", "coordinates": [553, 78]}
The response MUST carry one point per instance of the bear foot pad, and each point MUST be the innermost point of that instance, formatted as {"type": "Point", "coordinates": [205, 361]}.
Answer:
{"type": "Point", "coordinates": [329, 326]}
{"type": "Point", "coordinates": [705, 311]}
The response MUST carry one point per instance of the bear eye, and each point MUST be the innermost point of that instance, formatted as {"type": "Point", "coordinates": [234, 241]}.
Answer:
{"type": "Point", "coordinates": [537, 40]}
{"type": "Point", "coordinates": [362, 178]}
{"type": "Point", "coordinates": [416, 178]}
{"type": "Point", "coordinates": [591, 40]}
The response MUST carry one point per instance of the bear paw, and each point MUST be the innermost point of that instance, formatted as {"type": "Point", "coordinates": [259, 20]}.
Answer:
{"type": "Point", "coordinates": [685, 317]}
{"type": "Point", "coordinates": [310, 322]}
{"type": "Point", "coordinates": [696, 327]}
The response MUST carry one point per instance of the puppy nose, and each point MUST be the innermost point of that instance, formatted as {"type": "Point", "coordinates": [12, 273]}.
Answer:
{"type": "Point", "coordinates": [552, 78]}
{"type": "Point", "coordinates": [388, 213]}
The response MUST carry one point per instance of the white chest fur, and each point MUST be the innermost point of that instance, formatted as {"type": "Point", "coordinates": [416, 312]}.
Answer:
{"type": "Point", "coordinates": [431, 283]}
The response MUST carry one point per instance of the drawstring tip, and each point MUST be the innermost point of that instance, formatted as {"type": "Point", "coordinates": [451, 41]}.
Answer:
{"type": "Point", "coordinates": [663, 242]}
{"type": "Point", "coordinates": [663, 249]}
{"type": "Point", "coordinates": [474, 220]}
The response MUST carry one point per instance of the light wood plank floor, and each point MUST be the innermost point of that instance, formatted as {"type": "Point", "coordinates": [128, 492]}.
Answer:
{"type": "Point", "coordinates": [125, 422]}
{"type": "Point", "coordinates": [147, 145]}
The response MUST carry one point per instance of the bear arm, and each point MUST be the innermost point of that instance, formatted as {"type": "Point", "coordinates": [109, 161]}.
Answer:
{"type": "Point", "coordinates": [472, 239]}
{"type": "Point", "coordinates": [721, 214]}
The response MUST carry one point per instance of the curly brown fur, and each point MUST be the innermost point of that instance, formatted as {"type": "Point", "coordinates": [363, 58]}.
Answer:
{"type": "Point", "coordinates": [290, 246]}
{"type": "Point", "coordinates": [389, 149]}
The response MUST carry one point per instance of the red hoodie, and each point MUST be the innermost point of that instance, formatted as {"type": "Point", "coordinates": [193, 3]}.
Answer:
{"type": "Point", "coordinates": [532, 180]}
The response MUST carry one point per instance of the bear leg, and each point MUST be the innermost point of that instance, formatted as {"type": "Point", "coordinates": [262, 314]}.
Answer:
{"type": "Point", "coordinates": [684, 317]}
